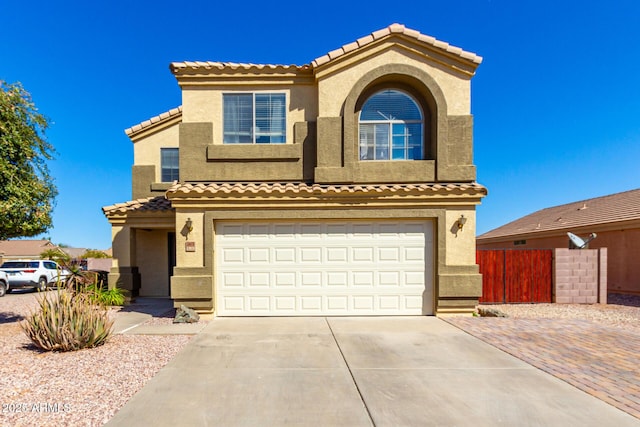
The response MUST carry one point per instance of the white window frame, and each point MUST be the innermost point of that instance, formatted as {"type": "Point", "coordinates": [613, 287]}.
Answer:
{"type": "Point", "coordinates": [162, 165]}
{"type": "Point", "coordinates": [254, 130]}
{"type": "Point", "coordinates": [389, 123]}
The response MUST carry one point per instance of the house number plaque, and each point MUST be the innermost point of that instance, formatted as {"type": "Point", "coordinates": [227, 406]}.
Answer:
{"type": "Point", "coordinates": [190, 246]}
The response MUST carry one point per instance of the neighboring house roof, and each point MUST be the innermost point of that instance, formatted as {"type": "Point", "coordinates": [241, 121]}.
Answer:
{"type": "Point", "coordinates": [24, 248]}
{"type": "Point", "coordinates": [614, 208]}
{"type": "Point", "coordinates": [295, 188]}
{"type": "Point", "coordinates": [149, 204]}
{"type": "Point", "coordinates": [74, 252]}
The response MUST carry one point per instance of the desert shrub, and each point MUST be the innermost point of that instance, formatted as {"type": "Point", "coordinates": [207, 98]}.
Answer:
{"type": "Point", "coordinates": [93, 285]}
{"type": "Point", "coordinates": [67, 322]}
{"type": "Point", "coordinates": [105, 297]}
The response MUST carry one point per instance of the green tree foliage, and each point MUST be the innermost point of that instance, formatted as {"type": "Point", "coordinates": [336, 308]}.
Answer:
{"type": "Point", "coordinates": [27, 191]}
{"type": "Point", "coordinates": [57, 255]}
{"type": "Point", "coordinates": [94, 253]}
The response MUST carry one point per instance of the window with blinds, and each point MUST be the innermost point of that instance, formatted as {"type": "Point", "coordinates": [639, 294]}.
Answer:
{"type": "Point", "coordinates": [169, 166]}
{"type": "Point", "coordinates": [391, 127]}
{"type": "Point", "coordinates": [254, 118]}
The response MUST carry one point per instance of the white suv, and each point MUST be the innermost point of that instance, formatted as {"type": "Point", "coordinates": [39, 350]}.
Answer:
{"type": "Point", "coordinates": [32, 274]}
{"type": "Point", "coordinates": [4, 283]}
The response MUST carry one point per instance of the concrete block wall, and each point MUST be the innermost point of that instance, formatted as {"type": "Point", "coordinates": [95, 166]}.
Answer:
{"type": "Point", "coordinates": [580, 276]}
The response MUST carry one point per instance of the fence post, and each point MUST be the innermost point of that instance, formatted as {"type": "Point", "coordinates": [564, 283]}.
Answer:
{"type": "Point", "coordinates": [602, 275]}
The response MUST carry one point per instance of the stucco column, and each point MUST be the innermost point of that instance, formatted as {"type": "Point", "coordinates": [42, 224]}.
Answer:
{"type": "Point", "coordinates": [192, 281]}
{"type": "Point", "coordinates": [124, 271]}
{"type": "Point", "coordinates": [459, 279]}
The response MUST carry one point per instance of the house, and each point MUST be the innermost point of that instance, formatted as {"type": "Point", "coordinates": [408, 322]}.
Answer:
{"type": "Point", "coordinates": [24, 248]}
{"type": "Point", "coordinates": [615, 219]}
{"type": "Point", "coordinates": [345, 186]}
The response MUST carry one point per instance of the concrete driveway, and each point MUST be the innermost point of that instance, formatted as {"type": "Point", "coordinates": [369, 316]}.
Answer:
{"type": "Point", "coordinates": [382, 371]}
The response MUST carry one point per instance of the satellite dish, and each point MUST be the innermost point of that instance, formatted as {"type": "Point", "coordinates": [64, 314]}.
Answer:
{"type": "Point", "coordinates": [576, 242]}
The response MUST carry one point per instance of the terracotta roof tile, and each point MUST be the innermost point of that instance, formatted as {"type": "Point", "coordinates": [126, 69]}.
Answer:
{"type": "Point", "coordinates": [154, 120]}
{"type": "Point", "coordinates": [180, 67]}
{"type": "Point", "coordinates": [294, 188]}
{"type": "Point", "coordinates": [191, 66]}
{"type": "Point", "coordinates": [363, 41]}
{"type": "Point", "coordinates": [149, 204]}
{"type": "Point", "coordinates": [398, 29]}
{"type": "Point", "coordinates": [613, 208]}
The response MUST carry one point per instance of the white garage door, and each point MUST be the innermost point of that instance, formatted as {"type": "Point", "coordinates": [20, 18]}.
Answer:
{"type": "Point", "coordinates": [324, 268]}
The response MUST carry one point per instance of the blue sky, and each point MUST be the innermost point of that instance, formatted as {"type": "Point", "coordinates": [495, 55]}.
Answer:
{"type": "Point", "coordinates": [556, 101]}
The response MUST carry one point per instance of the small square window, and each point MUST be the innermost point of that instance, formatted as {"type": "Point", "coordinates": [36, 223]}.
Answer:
{"type": "Point", "coordinates": [169, 164]}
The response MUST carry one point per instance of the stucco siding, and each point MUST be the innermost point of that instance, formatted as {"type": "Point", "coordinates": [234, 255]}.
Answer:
{"type": "Point", "coordinates": [203, 104]}
{"type": "Point", "coordinates": [334, 88]}
{"type": "Point", "coordinates": [146, 150]}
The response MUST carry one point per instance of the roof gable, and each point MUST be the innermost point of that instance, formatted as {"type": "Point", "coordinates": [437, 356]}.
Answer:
{"type": "Point", "coordinates": [614, 208]}
{"type": "Point", "coordinates": [155, 123]}
{"type": "Point", "coordinates": [428, 46]}
{"type": "Point", "coordinates": [468, 59]}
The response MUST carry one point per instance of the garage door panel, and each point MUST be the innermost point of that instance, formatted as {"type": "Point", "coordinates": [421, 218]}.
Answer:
{"type": "Point", "coordinates": [259, 280]}
{"type": "Point", "coordinates": [235, 255]}
{"type": "Point", "coordinates": [233, 280]}
{"type": "Point", "coordinates": [284, 255]}
{"type": "Point", "coordinates": [347, 268]}
{"type": "Point", "coordinates": [285, 304]}
{"type": "Point", "coordinates": [362, 255]}
{"type": "Point", "coordinates": [413, 254]}
{"type": "Point", "coordinates": [313, 254]}
{"type": "Point", "coordinates": [258, 255]}
{"type": "Point", "coordinates": [337, 278]}
{"type": "Point", "coordinates": [284, 279]}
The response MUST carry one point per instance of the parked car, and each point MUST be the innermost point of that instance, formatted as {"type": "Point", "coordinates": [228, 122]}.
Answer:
{"type": "Point", "coordinates": [36, 274]}
{"type": "Point", "coordinates": [4, 283]}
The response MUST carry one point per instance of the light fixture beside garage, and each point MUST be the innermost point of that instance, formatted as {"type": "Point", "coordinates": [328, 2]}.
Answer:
{"type": "Point", "coordinates": [461, 222]}
{"type": "Point", "coordinates": [188, 226]}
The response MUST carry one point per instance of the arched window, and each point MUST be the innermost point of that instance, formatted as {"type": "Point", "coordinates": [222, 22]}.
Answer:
{"type": "Point", "coordinates": [391, 127]}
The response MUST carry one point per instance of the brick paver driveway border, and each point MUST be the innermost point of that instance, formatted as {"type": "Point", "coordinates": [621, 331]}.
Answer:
{"type": "Point", "coordinates": [600, 360]}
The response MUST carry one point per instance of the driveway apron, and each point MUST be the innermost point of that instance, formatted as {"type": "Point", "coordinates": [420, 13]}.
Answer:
{"type": "Point", "coordinates": [382, 371]}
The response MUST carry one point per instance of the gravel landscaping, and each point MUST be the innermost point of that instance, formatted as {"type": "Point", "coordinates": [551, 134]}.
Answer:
{"type": "Point", "coordinates": [621, 310]}
{"type": "Point", "coordinates": [81, 388]}
{"type": "Point", "coordinates": [88, 387]}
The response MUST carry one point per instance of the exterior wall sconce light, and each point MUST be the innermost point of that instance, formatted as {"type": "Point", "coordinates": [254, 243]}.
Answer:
{"type": "Point", "coordinates": [189, 225]}
{"type": "Point", "coordinates": [461, 222]}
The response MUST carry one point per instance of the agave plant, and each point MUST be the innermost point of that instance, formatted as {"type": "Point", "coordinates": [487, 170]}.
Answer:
{"type": "Point", "coordinates": [67, 322]}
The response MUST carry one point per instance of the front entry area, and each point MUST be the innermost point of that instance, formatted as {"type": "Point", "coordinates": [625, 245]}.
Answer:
{"type": "Point", "coordinates": [338, 268]}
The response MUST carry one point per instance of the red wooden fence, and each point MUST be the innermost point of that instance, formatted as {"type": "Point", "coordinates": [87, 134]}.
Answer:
{"type": "Point", "coordinates": [513, 276]}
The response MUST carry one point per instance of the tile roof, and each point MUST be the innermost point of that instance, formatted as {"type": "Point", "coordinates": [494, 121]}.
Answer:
{"type": "Point", "coordinates": [154, 120]}
{"type": "Point", "coordinates": [149, 204]}
{"type": "Point", "coordinates": [296, 188]}
{"type": "Point", "coordinates": [180, 67]}
{"type": "Point", "coordinates": [609, 209]}
{"type": "Point", "coordinates": [396, 29]}
{"type": "Point", "coordinates": [191, 66]}
{"type": "Point", "coordinates": [25, 248]}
